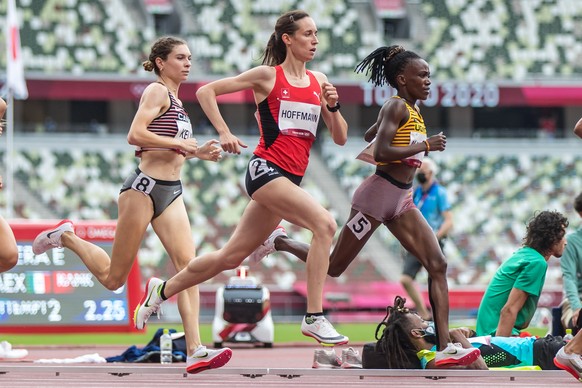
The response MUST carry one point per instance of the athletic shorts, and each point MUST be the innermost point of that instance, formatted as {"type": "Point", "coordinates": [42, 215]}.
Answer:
{"type": "Point", "coordinates": [382, 197]}
{"type": "Point", "coordinates": [411, 265]}
{"type": "Point", "coordinates": [545, 349]}
{"type": "Point", "coordinates": [162, 193]}
{"type": "Point", "coordinates": [261, 171]}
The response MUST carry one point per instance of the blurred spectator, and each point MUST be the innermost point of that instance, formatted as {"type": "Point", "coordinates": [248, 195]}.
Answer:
{"type": "Point", "coordinates": [50, 124]}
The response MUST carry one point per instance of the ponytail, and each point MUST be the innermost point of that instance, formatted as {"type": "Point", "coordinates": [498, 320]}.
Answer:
{"type": "Point", "coordinates": [275, 52]}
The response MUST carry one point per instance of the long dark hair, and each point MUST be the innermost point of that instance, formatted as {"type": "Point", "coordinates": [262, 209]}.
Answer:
{"type": "Point", "coordinates": [544, 230]}
{"type": "Point", "coordinates": [276, 51]}
{"type": "Point", "coordinates": [385, 63]}
{"type": "Point", "coordinates": [395, 341]}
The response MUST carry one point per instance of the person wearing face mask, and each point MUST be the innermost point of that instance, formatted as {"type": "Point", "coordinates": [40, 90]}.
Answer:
{"type": "Point", "coordinates": [431, 199]}
{"type": "Point", "coordinates": [408, 342]}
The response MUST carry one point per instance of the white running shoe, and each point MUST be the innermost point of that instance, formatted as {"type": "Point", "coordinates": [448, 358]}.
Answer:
{"type": "Point", "coordinates": [6, 351]}
{"type": "Point", "coordinates": [149, 304]}
{"type": "Point", "coordinates": [51, 238]}
{"type": "Point", "coordinates": [571, 363]}
{"type": "Point", "coordinates": [325, 359]}
{"type": "Point", "coordinates": [319, 328]}
{"type": "Point", "coordinates": [204, 359]}
{"type": "Point", "coordinates": [268, 246]}
{"type": "Point", "coordinates": [455, 354]}
{"type": "Point", "coordinates": [351, 359]}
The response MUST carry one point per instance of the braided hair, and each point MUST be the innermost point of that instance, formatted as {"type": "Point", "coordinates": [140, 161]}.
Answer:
{"type": "Point", "coordinates": [395, 342]}
{"type": "Point", "coordinates": [385, 63]}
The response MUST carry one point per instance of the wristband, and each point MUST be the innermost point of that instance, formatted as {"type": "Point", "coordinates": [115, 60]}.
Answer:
{"type": "Point", "coordinates": [427, 147]}
{"type": "Point", "coordinates": [333, 109]}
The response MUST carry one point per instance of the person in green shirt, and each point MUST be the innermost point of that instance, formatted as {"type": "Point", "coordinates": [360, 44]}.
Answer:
{"type": "Point", "coordinates": [571, 264]}
{"type": "Point", "coordinates": [408, 342]}
{"type": "Point", "coordinates": [511, 298]}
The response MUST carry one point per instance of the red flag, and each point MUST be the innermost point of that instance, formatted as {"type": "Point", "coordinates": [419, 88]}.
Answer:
{"type": "Point", "coordinates": [15, 81]}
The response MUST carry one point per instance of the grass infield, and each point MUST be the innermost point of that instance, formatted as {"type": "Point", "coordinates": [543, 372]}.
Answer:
{"type": "Point", "coordinates": [285, 333]}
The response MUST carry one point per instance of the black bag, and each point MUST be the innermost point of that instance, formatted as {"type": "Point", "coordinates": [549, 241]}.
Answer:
{"type": "Point", "coordinates": [373, 358]}
{"type": "Point", "coordinates": [373, 354]}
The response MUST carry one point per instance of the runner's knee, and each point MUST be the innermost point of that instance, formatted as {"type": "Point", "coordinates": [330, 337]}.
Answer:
{"type": "Point", "coordinates": [182, 262]}
{"type": "Point", "coordinates": [335, 271]}
{"type": "Point", "coordinates": [406, 279]}
{"type": "Point", "coordinates": [231, 260]}
{"type": "Point", "coordinates": [436, 266]}
{"type": "Point", "coordinates": [9, 261]}
{"type": "Point", "coordinates": [325, 227]}
{"type": "Point", "coordinates": [114, 284]}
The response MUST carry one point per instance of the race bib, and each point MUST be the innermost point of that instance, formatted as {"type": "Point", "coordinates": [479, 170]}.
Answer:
{"type": "Point", "coordinates": [298, 118]}
{"type": "Point", "coordinates": [416, 159]}
{"type": "Point", "coordinates": [184, 130]}
{"type": "Point", "coordinates": [359, 225]}
{"type": "Point", "coordinates": [143, 183]}
{"type": "Point", "coordinates": [258, 167]}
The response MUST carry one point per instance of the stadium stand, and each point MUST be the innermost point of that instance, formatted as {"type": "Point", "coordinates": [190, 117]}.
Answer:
{"type": "Point", "coordinates": [502, 39]}
{"type": "Point", "coordinates": [489, 40]}
{"type": "Point", "coordinates": [229, 36]}
{"type": "Point", "coordinates": [83, 36]}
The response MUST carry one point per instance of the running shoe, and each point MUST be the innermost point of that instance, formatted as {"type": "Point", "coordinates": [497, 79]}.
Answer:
{"type": "Point", "coordinates": [204, 359]}
{"type": "Point", "coordinates": [571, 363]}
{"type": "Point", "coordinates": [351, 359]}
{"type": "Point", "coordinates": [7, 353]}
{"type": "Point", "coordinates": [268, 246]}
{"type": "Point", "coordinates": [51, 238]}
{"type": "Point", "coordinates": [455, 354]}
{"type": "Point", "coordinates": [319, 328]}
{"type": "Point", "coordinates": [325, 359]}
{"type": "Point", "coordinates": [149, 304]}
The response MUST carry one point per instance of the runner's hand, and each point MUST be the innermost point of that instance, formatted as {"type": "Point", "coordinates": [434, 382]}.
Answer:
{"type": "Point", "coordinates": [209, 151]}
{"type": "Point", "coordinates": [231, 143]}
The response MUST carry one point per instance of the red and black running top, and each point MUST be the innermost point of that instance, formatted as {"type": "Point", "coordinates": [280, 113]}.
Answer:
{"type": "Point", "coordinates": [288, 120]}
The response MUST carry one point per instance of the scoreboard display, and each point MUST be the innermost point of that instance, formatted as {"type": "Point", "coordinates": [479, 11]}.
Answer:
{"type": "Point", "coordinates": [55, 292]}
